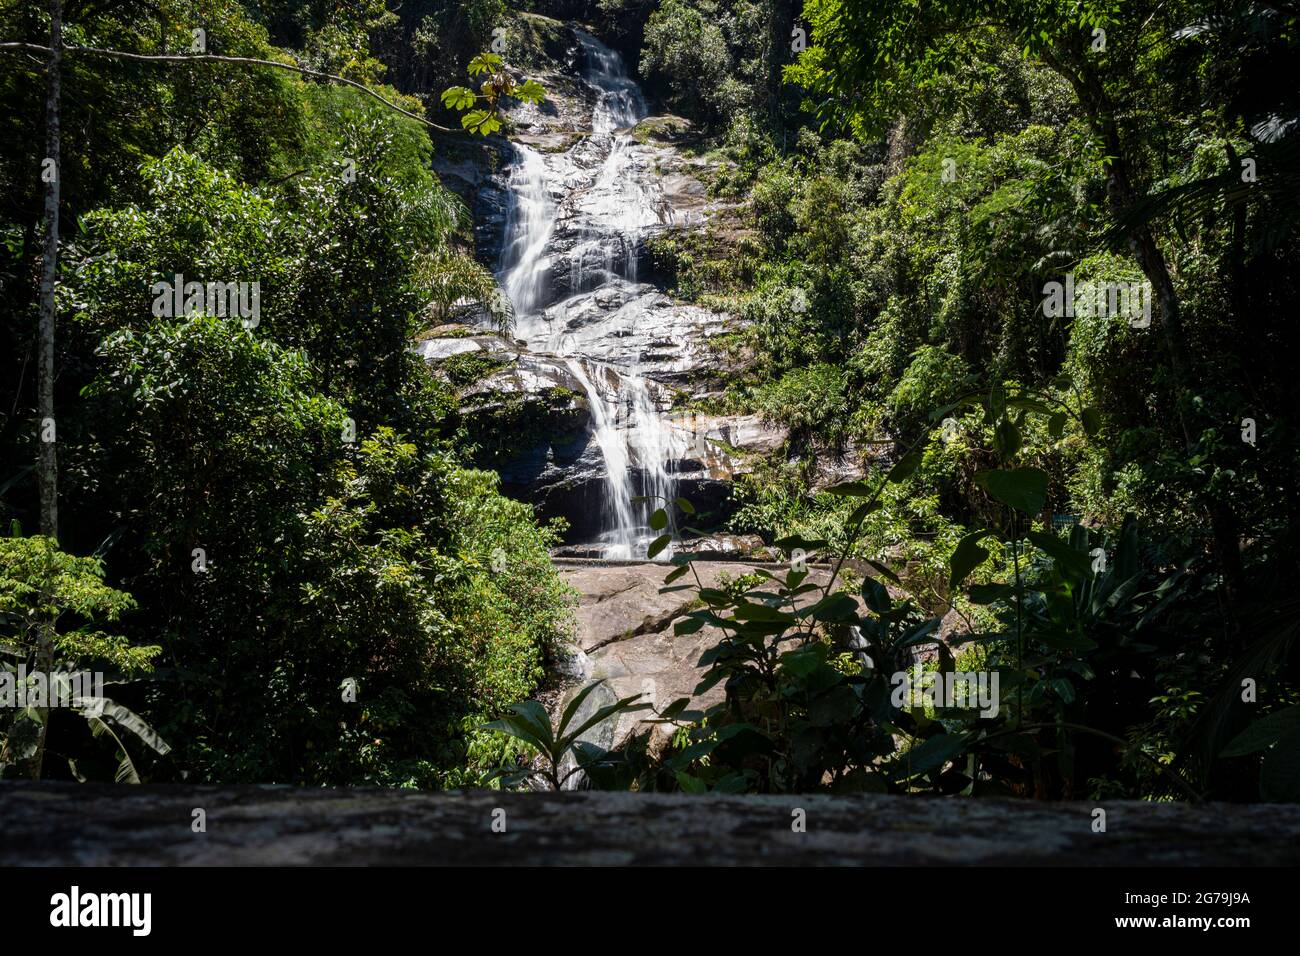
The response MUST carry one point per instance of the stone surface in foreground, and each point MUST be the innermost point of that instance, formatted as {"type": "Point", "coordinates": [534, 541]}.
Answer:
{"type": "Point", "coordinates": [625, 631]}
{"type": "Point", "coordinates": [107, 825]}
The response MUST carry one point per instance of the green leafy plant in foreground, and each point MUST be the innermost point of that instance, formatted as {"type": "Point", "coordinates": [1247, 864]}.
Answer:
{"type": "Point", "coordinates": [810, 671]}
{"type": "Point", "coordinates": [479, 110]}
{"type": "Point", "coordinates": [530, 723]}
{"type": "Point", "coordinates": [50, 604]}
{"type": "Point", "coordinates": [1278, 734]}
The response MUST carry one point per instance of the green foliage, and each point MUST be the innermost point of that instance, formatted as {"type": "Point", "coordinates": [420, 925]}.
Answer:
{"type": "Point", "coordinates": [810, 401]}
{"type": "Point", "coordinates": [51, 606]}
{"type": "Point", "coordinates": [890, 254]}
{"type": "Point", "coordinates": [389, 567]}
{"type": "Point", "coordinates": [718, 63]}
{"type": "Point", "coordinates": [282, 493]}
{"type": "Point", "coordinates": [1279, 734]}
{"type": "Point", "coordinates": [812, 673]}
{"type": "Point", "coordinates": [685, 47]}
{"type": "Point", "coordinates": [479, 110]}
{"type": "Point", "coordinates": [529, 722]}
{"type": "Point", "coordinates": [933, 379]}
{"type": "Point", "coordinates": [40, 583]}
{"type": "Point", "coordinates": [968, 155]}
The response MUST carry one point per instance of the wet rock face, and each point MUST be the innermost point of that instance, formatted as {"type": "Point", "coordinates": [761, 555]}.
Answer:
{"type": "Point", "coordinates": [629, 324]}
{"type": "Point", "coordinates": [528, 418]}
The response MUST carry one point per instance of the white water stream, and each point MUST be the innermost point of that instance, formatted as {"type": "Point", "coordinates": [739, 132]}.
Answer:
{"type": "Point", "coordinates": [612, 204]}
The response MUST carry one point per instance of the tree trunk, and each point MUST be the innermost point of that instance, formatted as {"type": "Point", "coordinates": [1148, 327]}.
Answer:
{"type": "Point", "coordinates": [779, 53]}
{"type": "Point", "coordinates": [48, 461]}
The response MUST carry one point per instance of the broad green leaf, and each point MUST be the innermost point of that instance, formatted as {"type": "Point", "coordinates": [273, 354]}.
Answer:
{"type": "Point", "coordinates": [876, 596]}
{"type": "Point", "coordinates": [658, 544]}
{"type": "Point", "coordinates": [939, 414]}
{"type": "Point", "coordinates": [659, 520]}
{"type": "Point", "coordinates": [675, 708]}
{"type": "Point", "coordinates": [517, 727]}
{"type": "Point", "coordinates": [884, 572]}
{"type": "Point", "coordinates": [1030, 404]}
{"type": "Point", "coordinates": [1066, 557]}
{"type": "Point", "coordinates": [804, 660]}
{"type": "Point", "coordinates": [534, 716]}
{"type": "Point", "coordinates": [921, 633]}
{"type": "Point", "coordinates": [709, 680]}
{"type": "Point", "coordinates": [1024, 489]}
{"type": "Point", "coordinates": [484, 63]}
{"type": "Point", "coordinates": [1056, 424]}
{"type": "Point", "coordinates": [1263, 733]}
{"type": "Point", "coordinates": [967, 556]}
{"type": "Point", "coordinates": [1006, 439]}
{"type": "Point", "coordinates": [688, 626]}
{"type": "Point", "coordinates": [601, 715]}
{"type": "Point", "coordinates": [458, 98]}
{"type": "Point", "coordinates": [677, 573]}
{"type": "Point", "coordinates": [836, 608]}
{"type": "Point", "coordinates": [789, 543]}
{"type": "Point", "coordinates": [689, 784]}
{"type": "Point", "coordinates": [572, 707]}
{"type": "Point", "coordinates": [1091, 419]}
{"type": "Point", "coordinates": [988, 593]}
{"type": "Point", "coordinates": [904, 468]}
{"type": "Point", "coordinates": [748, 611]}
{"type": "Point", "coordinates": [931, 754]}
{"type": "Point", "coordinates": [125, 718]}
{"type": "Point", "coordinates": [530, 92]}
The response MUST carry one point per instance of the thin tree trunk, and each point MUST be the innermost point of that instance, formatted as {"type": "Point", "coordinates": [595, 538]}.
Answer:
{"type": "Point", "coordinates": [48, 461]}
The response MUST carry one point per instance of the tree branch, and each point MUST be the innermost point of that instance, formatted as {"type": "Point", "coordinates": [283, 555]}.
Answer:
{"type": "Point", "coordinates": [214, 58]}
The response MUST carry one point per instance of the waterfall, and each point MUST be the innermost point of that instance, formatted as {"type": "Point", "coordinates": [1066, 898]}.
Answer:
{"type": "Point", "coordinates": [530, 219]}
{"type": "Point", "coordinates": [614, 449]}
{"type": "Point", "coordinates": [606, 204]}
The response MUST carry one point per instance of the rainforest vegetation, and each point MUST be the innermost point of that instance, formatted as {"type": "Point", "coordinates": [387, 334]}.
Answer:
{"type": "Point", "coordinates": [253, 518]}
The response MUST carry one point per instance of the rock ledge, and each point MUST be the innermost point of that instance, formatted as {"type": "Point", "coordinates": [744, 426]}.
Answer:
{"type": "Point", "coordinates": [51, 823]}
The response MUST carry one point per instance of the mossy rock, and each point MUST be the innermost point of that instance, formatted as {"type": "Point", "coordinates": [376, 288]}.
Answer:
{"type": "Point", "coordinates": [665, 129]}
{"type": "Point", "coordinates": [535, 42]}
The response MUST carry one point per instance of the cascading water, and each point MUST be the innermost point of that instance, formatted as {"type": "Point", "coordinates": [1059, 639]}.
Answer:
{"type": "Point", "coordinates": [531, 220]}
{"type": "Point", "coordinates": [608, 207]}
